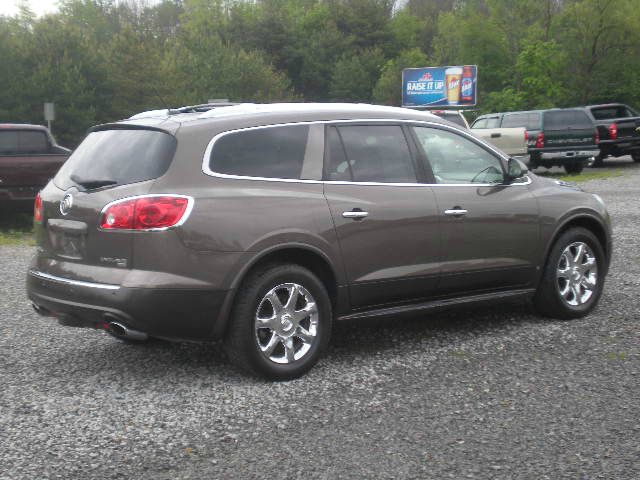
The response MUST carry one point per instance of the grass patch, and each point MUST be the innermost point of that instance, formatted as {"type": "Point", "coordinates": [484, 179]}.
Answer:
{"type": "Point", "coordinates": [585, 176]}
{"type": "Point", "coordinates": [16, 229]}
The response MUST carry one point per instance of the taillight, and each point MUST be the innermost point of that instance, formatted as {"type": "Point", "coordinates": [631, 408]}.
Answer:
{"type": "Point", "coordinates": [540, 140]}
{"type": "Point", "coordinates": [597, 136]}
{"type": "Point", "coordinates": [526, 136]}
{"type": "Point", "coordinates": [149, 212]}
{"type": "Point", "coordinates": [37, 208]}
{"type": "Point", "coordinates": [613, 131]}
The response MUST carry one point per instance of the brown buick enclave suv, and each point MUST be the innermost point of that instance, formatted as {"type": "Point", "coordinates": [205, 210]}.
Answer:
{"type": "Point", "coordinates": [263, 224]}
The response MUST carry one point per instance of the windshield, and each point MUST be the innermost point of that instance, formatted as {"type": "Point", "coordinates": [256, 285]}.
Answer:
{"type": "Point", "coordinates": [117, 157]}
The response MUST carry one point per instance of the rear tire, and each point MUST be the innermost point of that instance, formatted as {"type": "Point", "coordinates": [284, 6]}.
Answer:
{"type": "Point", "coordinates": [280, 323]}
{"type": "Point", "coordinates": [574, 168]}
{"type": "Point", "coordinates": [636, 156]}
{"type": "Point", "coordinates": [570, 287]}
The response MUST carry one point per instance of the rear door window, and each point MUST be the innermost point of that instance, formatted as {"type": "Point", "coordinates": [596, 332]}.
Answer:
{"type": "Point", "coordinates": [272, 152]}
{"type": "Point", "coordinates": [371, 153]}
{"type": "Point", "coordinates": [529, 121]}
{"type": "Point", "coordinates": [482, 123]}
{"type": "Point", "coordinates": [118, 156]}
{"type": "Point", "coordinates": [22, 142]}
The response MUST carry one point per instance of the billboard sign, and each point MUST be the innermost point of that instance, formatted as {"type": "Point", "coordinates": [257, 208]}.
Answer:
{"type": "Point", "coordinates": [440, 86]}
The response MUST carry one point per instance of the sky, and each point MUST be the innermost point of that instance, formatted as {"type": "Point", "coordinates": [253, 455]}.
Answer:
{"type": "Point", "coordinates": [42, 7]}
{"type": "Point", "coordinates": [39, 7]}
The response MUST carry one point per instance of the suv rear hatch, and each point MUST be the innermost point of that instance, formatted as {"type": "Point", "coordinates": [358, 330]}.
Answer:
{"type": "Point", "coordinates": [568, 130]}
{"type": "Point", "coordinates": [113, 162]}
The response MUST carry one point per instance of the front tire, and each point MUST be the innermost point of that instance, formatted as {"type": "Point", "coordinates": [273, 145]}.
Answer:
{"type": "Point", "coordinates": [599, 161]}
{"type": "Point", "coordinates": [636, 156]}
{"type": "Point", "coordinates": [280, 323]}
{"type": "Point", "coordinates": [574, 168]}
{"type": "Point", "coordinates": [573, 277]}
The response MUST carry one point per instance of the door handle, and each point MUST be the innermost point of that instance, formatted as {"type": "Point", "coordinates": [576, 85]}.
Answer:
{"type": "Point", "coordinates": [496, 135]}
{"type": "Point", "coordinates": [355, 214]}
{"type": "Point", "coordinates": [456, 212]}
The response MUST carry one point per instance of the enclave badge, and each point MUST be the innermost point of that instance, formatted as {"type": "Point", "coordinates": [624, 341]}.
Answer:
{"type": "Point", "coordinates": [66, 203]}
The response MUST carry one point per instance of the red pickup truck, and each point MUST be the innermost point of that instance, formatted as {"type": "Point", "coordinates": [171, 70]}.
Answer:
{"type": "Point", "coordinates": [29, 157]}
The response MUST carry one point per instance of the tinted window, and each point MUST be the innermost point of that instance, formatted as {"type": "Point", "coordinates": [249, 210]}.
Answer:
{"type": "Point", "coordinates": [371, 154]}
{"type": "Point", "coordinates": [274, 152]}
{"type": "Point", "coordinates": [530, 121]}
{"type": "Point", "coordinates": [23, 142]}
{"type": "Point", "coordinates": [452, 117]}
{"type": "Point", "coordinates": [337, 167]}
{"type": "Point", "coordinates": [121, 156]}
{"type": "Point", "coordinates": [561, 119]}
{"type": "Point", "coordinates": [610, 112]}
{"type": "Point", "coordinates": [455, 159]}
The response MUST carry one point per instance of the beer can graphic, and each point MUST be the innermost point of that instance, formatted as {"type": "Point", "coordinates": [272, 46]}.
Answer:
{"type": "Point", "coordinates": [452, 80]}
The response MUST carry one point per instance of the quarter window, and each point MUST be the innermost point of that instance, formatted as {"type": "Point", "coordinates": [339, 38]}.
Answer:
{"type": "Point", "coordinates": [273, 152]}
{"type": "Point", "coordinates": [377, 153]}
{"type": "Point", "coordinates": [455, 159]}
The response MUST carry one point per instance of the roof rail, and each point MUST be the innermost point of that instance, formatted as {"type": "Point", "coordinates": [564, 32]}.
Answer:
{"type": "Point", "coordinates": [203, 107]}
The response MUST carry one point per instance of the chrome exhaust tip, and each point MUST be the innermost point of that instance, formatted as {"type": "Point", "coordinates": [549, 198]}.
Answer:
{"type": "Point", "coordinates": [120, 330]}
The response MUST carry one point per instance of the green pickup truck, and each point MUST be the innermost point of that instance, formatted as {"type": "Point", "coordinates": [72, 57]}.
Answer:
{"type": "Point", "coordinates": [556, 137]}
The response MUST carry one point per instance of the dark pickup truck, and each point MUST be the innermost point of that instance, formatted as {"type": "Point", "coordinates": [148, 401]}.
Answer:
{"type": "Point", "coordinates": [619, 129]}
{"type": "Point", "coordinates": [29, 157]}
{"type": "Point", "coordinates": [557, 137]}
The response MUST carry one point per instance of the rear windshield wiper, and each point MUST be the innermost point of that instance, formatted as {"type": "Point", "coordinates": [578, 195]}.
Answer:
{"type": "Point", "coordinates": [91, 183]}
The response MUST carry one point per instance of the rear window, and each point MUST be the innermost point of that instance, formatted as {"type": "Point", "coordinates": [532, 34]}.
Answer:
{"type": "Point", "coordinates": [605, 113]}
{"type": "Point", "coordinates": [530, 121]}
{"type": "Point", "coordinates": [562, 119]}
{"type": "Point", "coordinates": [273, 152]}
{"type": "Point", "coordinates": [19, 142]}
{"type": "Point", "coordinates": [120, 156]}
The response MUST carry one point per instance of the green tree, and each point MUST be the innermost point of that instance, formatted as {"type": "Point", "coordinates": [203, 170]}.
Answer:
{"type": "Point", "coordinates": [388, 90]}
{"type": "Point", "coordinates": [355, 75]}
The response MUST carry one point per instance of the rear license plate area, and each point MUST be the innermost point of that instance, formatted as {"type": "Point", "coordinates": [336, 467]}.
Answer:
{"type": "Point", "coordinates": [67, 244]}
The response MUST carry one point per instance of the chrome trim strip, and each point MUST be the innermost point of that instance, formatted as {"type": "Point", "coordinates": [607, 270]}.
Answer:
{"type": "Point", "coordinates": [68, 281]}
{"type": "Point", "coordinates": [207, 154]}
{"type": "Point", "coordinates": [187, 212]}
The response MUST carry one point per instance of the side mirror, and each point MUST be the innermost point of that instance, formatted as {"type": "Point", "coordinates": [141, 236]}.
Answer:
{"type": "Point", "coordinates": [515, 169]}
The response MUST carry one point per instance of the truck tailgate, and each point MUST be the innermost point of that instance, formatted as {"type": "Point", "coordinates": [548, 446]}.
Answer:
{"type": "Point", "coordinates": [510, 140]}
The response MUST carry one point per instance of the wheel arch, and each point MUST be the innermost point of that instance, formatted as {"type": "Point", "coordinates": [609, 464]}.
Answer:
{"type": "Point", "coordinates": [588, 221]}
{"type": "Point", "coordinates": [304, 255]}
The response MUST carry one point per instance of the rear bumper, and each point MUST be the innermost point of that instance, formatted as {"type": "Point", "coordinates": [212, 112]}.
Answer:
{"type": "Point", "coordinates": [188, 314]}
{"type": "Point", "coordinates": [620, 147]}
{"type": "Point", "coordinates": [18, 198]}
{"type": "Point", "coordinates": [568, 155]}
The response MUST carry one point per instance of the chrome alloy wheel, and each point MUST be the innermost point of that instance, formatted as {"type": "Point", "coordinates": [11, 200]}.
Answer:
{"type": "Point", "coordinates": [286, 323]}
{"type": "Point", "coordinates": [577, 274]}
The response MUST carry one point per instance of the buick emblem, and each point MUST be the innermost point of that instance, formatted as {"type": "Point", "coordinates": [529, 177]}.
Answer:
{"type": "Point", "coordinates": [66, 203]}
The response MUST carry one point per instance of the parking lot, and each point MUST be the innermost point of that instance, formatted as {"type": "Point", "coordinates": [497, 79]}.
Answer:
{"type": "Point", "coordinates": [491, 392]}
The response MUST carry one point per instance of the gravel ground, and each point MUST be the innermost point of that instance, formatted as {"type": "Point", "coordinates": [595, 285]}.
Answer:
{"type": "Point", "coordinates": [493, 392]}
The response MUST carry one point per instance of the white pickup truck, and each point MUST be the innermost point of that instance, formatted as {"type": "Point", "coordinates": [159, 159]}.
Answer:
{"type": "Point", "coordinates": [511, 140]}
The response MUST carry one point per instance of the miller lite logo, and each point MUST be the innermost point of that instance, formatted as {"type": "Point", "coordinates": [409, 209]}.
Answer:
{"type": "Point", "coordinates": [453, 83]}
